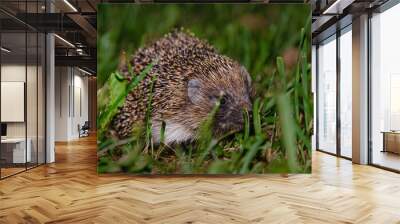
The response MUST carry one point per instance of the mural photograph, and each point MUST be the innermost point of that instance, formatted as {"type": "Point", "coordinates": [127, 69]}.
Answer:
{"type": "Point", "coordinates": [204, 89]}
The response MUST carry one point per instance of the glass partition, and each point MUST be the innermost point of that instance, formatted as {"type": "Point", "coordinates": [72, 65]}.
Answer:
{"type": "Point", "coordinates": [22, 77]}
{"type": "Point", "coordinates": [13, 94]}
{"type": "Point", "coordinates": [41, 85]}
{"type": "Point", "coordinates": [31, 97]}
{"type": "Point", "coordinates": [327, 95]}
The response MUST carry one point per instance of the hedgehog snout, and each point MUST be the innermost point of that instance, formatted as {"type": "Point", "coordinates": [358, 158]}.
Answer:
{"type": "Point", "coordinates": [230, 120]}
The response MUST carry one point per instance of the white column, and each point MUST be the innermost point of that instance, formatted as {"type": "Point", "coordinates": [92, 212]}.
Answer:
{"type": "Point", "coordinates": [360, 90]}
{"type": "Point", "coordinates": [50, 93]}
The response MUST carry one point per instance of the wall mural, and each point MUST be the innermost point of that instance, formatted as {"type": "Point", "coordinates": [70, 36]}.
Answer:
{"type": "Point", "coordinates": [204, 88]}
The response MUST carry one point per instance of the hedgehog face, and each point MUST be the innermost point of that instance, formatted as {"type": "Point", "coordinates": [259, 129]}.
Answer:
{"type": "Point", "coordinates": [232, 90]}
{"type": "Point", "coordinates": [230, 114]}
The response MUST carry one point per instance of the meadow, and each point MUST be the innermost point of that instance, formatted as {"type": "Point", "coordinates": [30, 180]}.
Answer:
{"type": "Point", "coordinates": [271, 41]}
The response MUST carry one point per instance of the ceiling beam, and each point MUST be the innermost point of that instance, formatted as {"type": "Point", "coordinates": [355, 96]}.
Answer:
{"type": "Point", "coordinates": [49, 22]}
{"type": "Point", "coordinates": [86, 27]}
{"type": "Point", "coordinates": [78, 61]}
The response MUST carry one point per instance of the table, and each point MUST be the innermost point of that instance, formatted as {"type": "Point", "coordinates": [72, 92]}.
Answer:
{"type": "Point", "coordinates": [15, 148]}
{"type": "Point", "coordinates": [391, 141]}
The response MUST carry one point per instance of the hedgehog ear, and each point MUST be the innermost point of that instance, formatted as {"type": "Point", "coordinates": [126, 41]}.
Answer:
{"type": "Point", "coordinates": [246, 76]}
{"type": "Point", "coordinates": [193, 89]}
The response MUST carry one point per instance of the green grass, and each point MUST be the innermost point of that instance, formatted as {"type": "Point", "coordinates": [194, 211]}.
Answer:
{"type": "Point", "coordinates": [276, 138]}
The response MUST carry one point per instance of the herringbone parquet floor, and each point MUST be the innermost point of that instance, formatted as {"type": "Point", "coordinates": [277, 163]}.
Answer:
{"type": "Point", "coordinates": [70, 191]}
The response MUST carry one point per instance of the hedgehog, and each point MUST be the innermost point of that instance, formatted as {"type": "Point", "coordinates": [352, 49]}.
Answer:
{"type": "Point", "coordinates": [190, 78]}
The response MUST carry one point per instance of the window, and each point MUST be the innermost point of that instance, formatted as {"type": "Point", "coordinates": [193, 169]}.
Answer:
{"type": "Point", "coordinates": [385, 89]}
{"type": "Point", "coordinates": [327, 95]}
{"type": "Point", "coordinates": [346, 92]}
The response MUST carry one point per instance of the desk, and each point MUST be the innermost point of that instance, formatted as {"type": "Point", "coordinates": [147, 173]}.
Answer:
{"type": "Point", "coordinates": [15, 148]}
{"type": "Point", "coordinates": [391, 141]}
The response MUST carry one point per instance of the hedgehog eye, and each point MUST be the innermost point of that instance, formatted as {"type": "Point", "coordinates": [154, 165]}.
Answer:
{"type": "Point", "coordinates": [223, 100]}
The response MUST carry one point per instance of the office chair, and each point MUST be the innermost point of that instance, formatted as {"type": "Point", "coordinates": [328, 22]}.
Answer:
{"type": "Point", "coordinates": [84, 130]}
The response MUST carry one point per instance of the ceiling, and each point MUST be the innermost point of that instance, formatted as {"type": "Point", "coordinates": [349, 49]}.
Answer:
{"type": "Point", "coordinates": [74, 22]}
{"type": "Point", "coordinates": [329, 15]}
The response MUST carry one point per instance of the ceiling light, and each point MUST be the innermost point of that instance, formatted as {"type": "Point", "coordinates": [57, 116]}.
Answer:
{"type": "Point", "coordinates": [65, 41]}
{"type": "Point", "coordinates": [5, 50]}
{"type": "Point", "coordinates": [79, 51]}
{"type": "Point", "coordinates": [70, 5]}
{"type": "Point", "coordinates": [84, 71]}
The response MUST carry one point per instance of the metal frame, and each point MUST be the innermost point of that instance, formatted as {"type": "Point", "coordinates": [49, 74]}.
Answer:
{"type": "Point", "coordinates": [317, 94]}
{"type": "Point", "coordinates": [386, 6]}
{"type": "Point", "coordinates": [37, 90]}
{"type": "Point", "coordinates": [369, 90]}
{"type": "Point", "coordinates": [338, 74]}
{"type": "Point", "coordinates": [389, 4]}
{"type": "Point", "coordinates": [44, 75]}
{"type": "Point", "coordinates": [26, 90]}
{"type": "Point", "coordinates": [337, 34]}
{"type": "Point", "coordinates": [45, 89]}
{"type": "Point", "coordinates": [316, 97]}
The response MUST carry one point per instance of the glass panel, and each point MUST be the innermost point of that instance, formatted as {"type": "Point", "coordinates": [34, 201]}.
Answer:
{"type": "Point", "coordinates": [23, 87]}
{"type": "Point", "coordinates": [32, 89]}
{"type": "Point", "coordinates": [13, 87]}
{"type": "Point", "coordinates": [385, 84]}
{"type": "Point", "coordinates": [31, 98]}
{"type": "Point", "coordinates": [327, 96]}
{"type": "Point", "coordinates": [41, 99]}
{"type": "Point", "coordinates": [346, 93]}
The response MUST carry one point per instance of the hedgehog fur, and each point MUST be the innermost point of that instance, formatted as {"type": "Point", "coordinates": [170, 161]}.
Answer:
{"type": "Point", "coordinates": [190, 77]}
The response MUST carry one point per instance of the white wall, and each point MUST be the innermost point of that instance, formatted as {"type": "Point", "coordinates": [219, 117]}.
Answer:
{"type": "Point", "coordinates": [61, 103]}
{"type": "Point", "coordinates": [16, 73]}
{"type": "Point", "coordinates": [33, 126]}
{"type": "Point", "coordinates": [70, 83]}
{"type": "Point", "coordinates": [11, 73]}
{"type": "Point", "coordinates": [80, 89]}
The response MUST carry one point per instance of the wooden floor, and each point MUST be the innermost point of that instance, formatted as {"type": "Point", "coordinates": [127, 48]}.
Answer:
{"type": "Point", "coordinates": [10, 171]}
{"type": "Point", "coordinates": [386, 159]}
{"type": "Point", "coordinates": [70, 191]}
